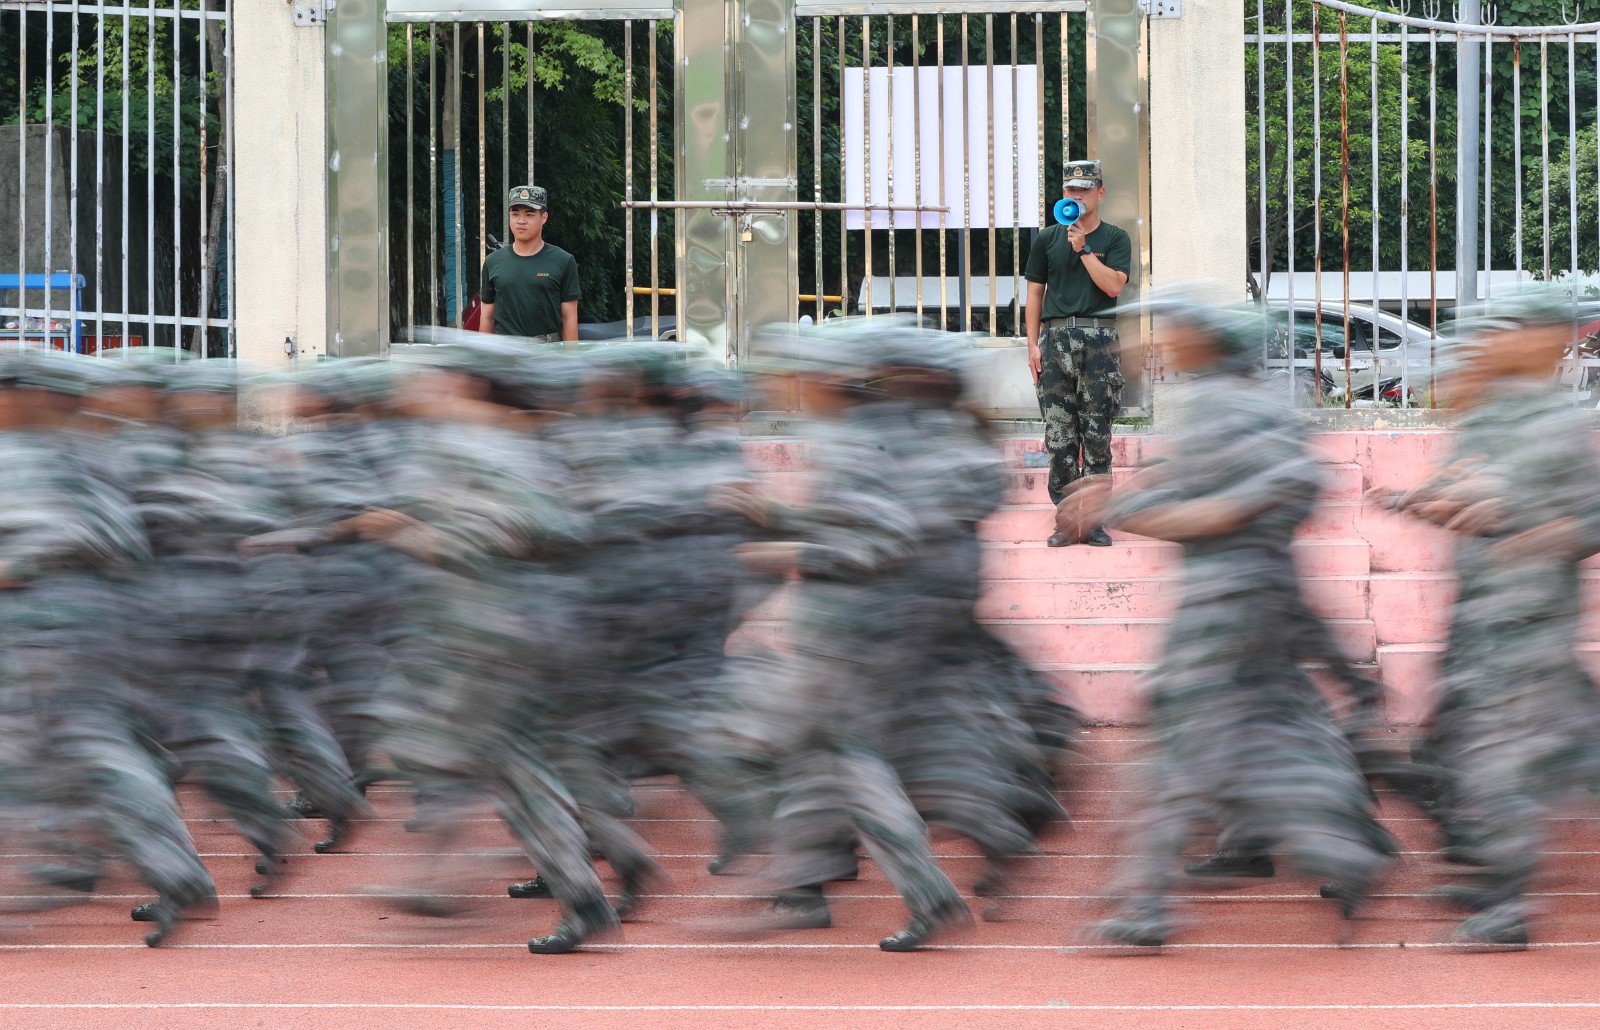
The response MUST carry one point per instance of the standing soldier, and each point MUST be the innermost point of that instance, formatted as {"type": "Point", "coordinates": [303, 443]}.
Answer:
{"type": "Point", "coordinates": [530, 287]}
{"type": "Point", "coordinates": [1075, 273]}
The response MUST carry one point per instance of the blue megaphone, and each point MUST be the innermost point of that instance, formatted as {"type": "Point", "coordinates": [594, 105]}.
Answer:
{"type": "Point", "coordinates": [1068, 210]}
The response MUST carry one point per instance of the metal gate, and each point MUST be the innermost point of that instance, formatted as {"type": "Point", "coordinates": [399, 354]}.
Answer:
{"type": "Point", "coordinates": [477, 107]}
{"type": "Point", "coordinates": [1404, 166]}
{"type": "Point", "coordinates": [116, 206]}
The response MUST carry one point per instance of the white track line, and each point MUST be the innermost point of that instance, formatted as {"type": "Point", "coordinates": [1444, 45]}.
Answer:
{"type": "Point", "coordinates": [832, 898]}
{"type": "Point", "coordinates": [1064, 949]}
{"type": "Point", "coordinates": [1053, 1006]}
{"type": "Point", "coordinates": [513, 853]}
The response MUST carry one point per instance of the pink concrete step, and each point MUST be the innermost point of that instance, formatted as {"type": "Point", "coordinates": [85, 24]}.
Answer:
{"type": "Point", "coordinates": [1131, 557]}
{"type": "Point", "coordinates": [1415, 607]}
{"type": "Point", "coordinates": [1031, 486]}
{"type": "Point", "coordinates": [1031, 521]}
{"type": "Point", "coordinates": [1114, 693]}
{"type": "Point", "coordinates": [1012, 599]}
{"type": "Point", "coordinates": [1332, 597]}
{"type": "Point", "coordinates": [1410, 675]}
{"type": "Point", "coordinates": [1127, 449]}
{"type": "Point", "coordinates": [1403, 544]}
{"type": "Point", "coordinates": [1136, 640]}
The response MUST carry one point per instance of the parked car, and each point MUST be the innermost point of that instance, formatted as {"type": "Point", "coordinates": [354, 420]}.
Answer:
{"type": "Point", "coordinates": [1390, 358]}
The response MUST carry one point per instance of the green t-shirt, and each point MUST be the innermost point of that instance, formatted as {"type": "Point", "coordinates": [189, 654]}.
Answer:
{"type": "Point", "coordinates": [527, 292]}
{"type": "Point", "coordinates": [1068, 290]}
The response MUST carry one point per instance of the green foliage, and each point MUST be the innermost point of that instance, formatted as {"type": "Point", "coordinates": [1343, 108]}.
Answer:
{"type": "Point", "coordinates": [1528, 89]}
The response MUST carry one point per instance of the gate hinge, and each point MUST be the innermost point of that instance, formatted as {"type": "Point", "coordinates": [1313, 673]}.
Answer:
{"type": "Point", "coordinates": [1161, 8]}
{"type": "Point", "coordinates": [309, 14]}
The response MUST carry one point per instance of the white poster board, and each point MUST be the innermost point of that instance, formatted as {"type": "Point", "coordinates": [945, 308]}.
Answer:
{"type": "Point", "coordinates": [937, 135]}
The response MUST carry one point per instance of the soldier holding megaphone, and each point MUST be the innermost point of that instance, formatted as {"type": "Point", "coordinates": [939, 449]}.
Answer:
{"type": "Point", "coordinates": [1076, 269]}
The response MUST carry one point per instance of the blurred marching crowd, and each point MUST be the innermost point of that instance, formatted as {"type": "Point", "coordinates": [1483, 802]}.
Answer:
{"type": "Point", "coordinates": [508, 573]}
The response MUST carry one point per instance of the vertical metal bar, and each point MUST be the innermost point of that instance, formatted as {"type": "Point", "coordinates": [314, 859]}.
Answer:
{"type": "Point", "coordinates": [916, 149]}
{"type": "Point", "coordinates": [1377, 207]}
{"type": "Point", "coordinates": [99, 182]}
{"type": "Point", "coordinates": [1264, 266]}
{"type": "Point", "coordinates": [231, 197]}
{"type": "Point", "coordinates": [966, 176]}
{"type": "Point", "coordinates": [866, 157]}
{"type": "Point", "coordinates": [944, 202]}
{"type": "Point", "coordinates": [655, 196]}
{"type": "Point", "coordinates": [816, 160]}
{"type": "Point", "coordinates": [178, 165]}
{"type": "Point", "coordinates": [530, 103]}
{"type": "Point", "coordinates": [1433, 214]}
{"type": "Point", "coordinates": [1544, 145]}
{"type": "Point", "coordinates": [411, 177]}
{"type": "Point", "coordinates": [1516, 140]}
{"type": "Point", "coordinates": [1488, 163]}
{"type": "Point", "coordinates": [988, 71]}
{"type": "Point", "coordinates": [149, 197]}
{"type": "Point", "coordinates": [150, 168]}
{"type": "Point", "coordinates": [1572, 158]}
{"type": "Point", "coordinates": [1016, 192]}
{"type": "Point", "coordinates": [483, 152]}
{"type": "Point", "coordinates": [1316, 178]}
{"type": "Point", "coordinates": [202, 337]}
{"type": "Point", "coordinates": [505, 111]}
{"type": "Point", "coordinates": [22, 168]}
{"type": "Point", "coordinates": [1344, 190]}
{"type": "Point", "coordinates": [888, 132]}
{"type": "Point", "coordinates": [1289, 173]}
{"type": "Point", "coordinates": [433, 176]}
{"type": "Point", "coordinates": [455, 186]}
{"type": "Point", "coordinates": [1038, 63]}
{"type": "Point", "coordinates": [72, 187]}
{"type": "Point", "coordinates": [1066, 93]}
{"type": "Point", "coordinates": [627, 177]}
{"type": "Point", "coordinates": [844, 235]}
{"type": "Point", "coordinates": [1405, 191]}
{"type": "Point", "coordinates": [49, 162]}
{"type": "Point", "coordinates": [531, 178]}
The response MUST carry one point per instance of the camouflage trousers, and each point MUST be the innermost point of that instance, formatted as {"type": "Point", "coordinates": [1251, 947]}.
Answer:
{"type": "Point", "coordinates": [1080, 392]}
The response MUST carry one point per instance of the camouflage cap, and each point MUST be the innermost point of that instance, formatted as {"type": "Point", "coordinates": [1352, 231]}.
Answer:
{"type": "Point", "coordinates": [536, 197]}
{"type": "Point", "coordinates": [1081, 175]}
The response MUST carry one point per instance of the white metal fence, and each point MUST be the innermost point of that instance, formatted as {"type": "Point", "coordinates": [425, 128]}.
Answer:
{"type": "Point", "coordinates": [116, 206]}
{"type": "Point", "coordinates": [1404, 166]}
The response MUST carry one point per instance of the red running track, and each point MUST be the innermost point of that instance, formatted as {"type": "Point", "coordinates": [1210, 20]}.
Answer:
{"type": "Point", "coordinates": [325, 953]}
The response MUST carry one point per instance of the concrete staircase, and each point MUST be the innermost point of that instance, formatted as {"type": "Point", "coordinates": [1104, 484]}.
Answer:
{"type": "Point", "coordinates": [1094, 619]}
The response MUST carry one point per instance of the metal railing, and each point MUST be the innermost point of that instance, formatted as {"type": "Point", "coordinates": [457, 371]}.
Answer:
{"type": "Point", "coordinates": [995, 101]}
{"type": "Point", "coordinates": [116, 136]}
{"type": "Point", "coordinates": [1393, 180]}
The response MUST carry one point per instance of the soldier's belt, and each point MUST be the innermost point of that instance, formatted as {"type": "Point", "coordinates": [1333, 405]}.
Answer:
{"type": "Point", "coordinates": [1081, 322]}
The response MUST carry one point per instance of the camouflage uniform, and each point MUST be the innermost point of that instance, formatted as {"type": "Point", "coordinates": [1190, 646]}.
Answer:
{"type": "Point", "coordinates": [1517, 722]}
{"type": "Point", "coordinates": [469, 716]}
{"type": "Point", "coordinates": [1245, 740]}
{"type": "Point", "coordinates": [69, 542]}
{"type": "Point", "coordinates": [858, 617]}
{"type": "Point", "coordinates": [1080, 393]}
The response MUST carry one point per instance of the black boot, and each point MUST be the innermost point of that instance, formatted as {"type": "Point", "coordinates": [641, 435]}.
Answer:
{"type": "Point", "coordinates": [534, 888]}
{"type": "Point", "coordinates": [270, 867]}
{"type": "Point", "coordinates": [802, 909]}
{"type": "Point", "coordinates": [303, 807]}
{"type": "Point", "coordinates": [338, 829]}
{"type": "Point", "coordinates": [575, 929]}
{"type": "Point", "coordinates": [65, 877]}
{"type": "Point", "coordinates": [1235, 865]}
{"type": "Point", "coordinates": [922, 928]}
{"type": "Point", "coordinates": [1138, 931]}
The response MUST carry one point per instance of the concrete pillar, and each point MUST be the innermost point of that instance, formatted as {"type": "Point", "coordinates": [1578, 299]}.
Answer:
{"type": "Point", "coordinates": [279, 182]}
{"type": "Point", "coordinates": [1197, 146]}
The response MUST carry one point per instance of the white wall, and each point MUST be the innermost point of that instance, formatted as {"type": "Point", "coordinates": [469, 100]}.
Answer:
{"type": "Point", "coordinates": [1197, 146]}
{"type": "Point", "coordinates": [279, 182]}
